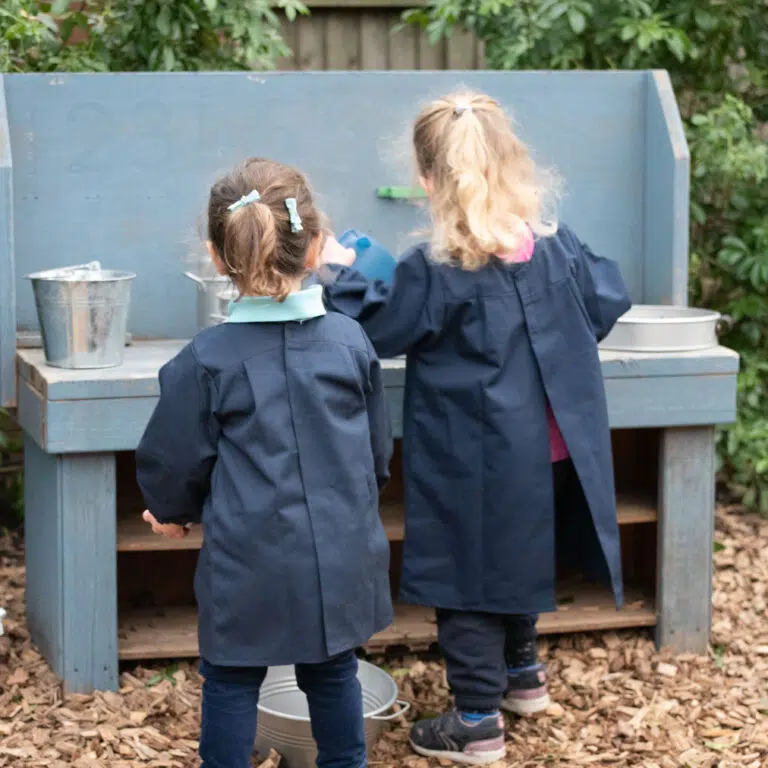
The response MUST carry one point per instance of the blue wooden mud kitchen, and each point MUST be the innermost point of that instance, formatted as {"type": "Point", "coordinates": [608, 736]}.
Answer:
{"type": "Point", "coordinates": [116, 168]}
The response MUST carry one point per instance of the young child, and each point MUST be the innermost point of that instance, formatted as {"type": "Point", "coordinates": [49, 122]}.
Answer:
{"type": "Point", "coordinates": [499, 318]}
{"type": "Point", "coordinates": [272, 431]}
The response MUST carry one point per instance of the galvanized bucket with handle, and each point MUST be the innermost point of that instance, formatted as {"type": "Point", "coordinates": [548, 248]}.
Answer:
{"type": "Point", "coordinates": [284, 713]}
{"type": "Point", "coordinates": [83, 314]}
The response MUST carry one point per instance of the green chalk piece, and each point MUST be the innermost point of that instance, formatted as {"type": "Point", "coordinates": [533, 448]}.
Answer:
{"type": "Point", "coordinates": [400, 193]}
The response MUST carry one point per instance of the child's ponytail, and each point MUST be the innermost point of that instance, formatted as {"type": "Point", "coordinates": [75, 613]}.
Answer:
{"type": "Point", "coordinates": [262, 222]}
{"type": "Point", "coordinates": [252, 230]}
{"type": "Point", "coordinates": [484, 186]}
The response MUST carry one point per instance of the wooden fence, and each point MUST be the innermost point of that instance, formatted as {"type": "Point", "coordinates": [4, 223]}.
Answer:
{"type": "Point", "coordinates": [358, 34]}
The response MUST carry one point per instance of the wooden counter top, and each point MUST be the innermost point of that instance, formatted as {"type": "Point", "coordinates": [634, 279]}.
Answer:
{"type": "Point", "coordinates": [96, 410]}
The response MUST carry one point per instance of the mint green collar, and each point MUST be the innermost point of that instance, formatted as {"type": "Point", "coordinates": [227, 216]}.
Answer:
{"type": "Point", "coordinates": [300, 305]}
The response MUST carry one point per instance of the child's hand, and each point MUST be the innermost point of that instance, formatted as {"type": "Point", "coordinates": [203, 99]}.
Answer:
{"type": "Point", "coordinates": [171, 530]}
{"type": "Point", "coordinates": [335, 253]}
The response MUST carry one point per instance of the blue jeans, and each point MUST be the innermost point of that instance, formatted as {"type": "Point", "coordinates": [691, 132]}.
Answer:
{"type": "Point", "coordinates": [231, 698]}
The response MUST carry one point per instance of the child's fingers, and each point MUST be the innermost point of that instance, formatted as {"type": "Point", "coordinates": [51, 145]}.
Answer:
{"type": "Point", "coordinates": [148, 517]}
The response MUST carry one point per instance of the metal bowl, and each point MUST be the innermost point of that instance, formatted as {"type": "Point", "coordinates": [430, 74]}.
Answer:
{"type": "Point", "coordinates": [284, 713]}
{"type": "Point", "coordinates": [654, 328]}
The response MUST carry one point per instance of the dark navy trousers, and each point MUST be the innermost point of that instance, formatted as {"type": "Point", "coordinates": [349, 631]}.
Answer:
{"type": "Point", "coordinates": [230, 705]}
{"type": "Point", "coordinates": [479, 648]}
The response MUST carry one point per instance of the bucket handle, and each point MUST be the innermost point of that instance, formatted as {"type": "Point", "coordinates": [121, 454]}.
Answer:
{"type": "Point", "coordinates": [91, 265]}
{"type": "Point", "coordinates": [195, 278]}
{"type": "Point", "coordinates": [724, 324]}
{"type": "Point", "coordinates": [404, 708]}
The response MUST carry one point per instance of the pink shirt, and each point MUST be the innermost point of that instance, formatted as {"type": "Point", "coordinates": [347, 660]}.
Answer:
{"type": "Point", "coordinates": [558, 450]}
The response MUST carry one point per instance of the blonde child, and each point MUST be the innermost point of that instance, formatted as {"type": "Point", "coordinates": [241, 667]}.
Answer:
{"type": "Point", "coordinates": [505, 414]}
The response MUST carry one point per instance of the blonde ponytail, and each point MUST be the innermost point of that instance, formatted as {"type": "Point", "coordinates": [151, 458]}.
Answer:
{"type": "Point", "coordinates": [485, 189]}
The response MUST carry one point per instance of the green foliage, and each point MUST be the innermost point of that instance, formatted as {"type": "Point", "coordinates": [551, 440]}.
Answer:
{"type": "Point", "coordinates": [33, 40]}
{"type": "Point", "coordinates": [717, 55]}
{"type": "Point", "coordinates": [11, 485]}
{"type": "Point", "coordinates": [143, 35]}
{"type": "Point", "coordinates": [189, 35]}
{"type": "Point", "coordinates": [729, 265]}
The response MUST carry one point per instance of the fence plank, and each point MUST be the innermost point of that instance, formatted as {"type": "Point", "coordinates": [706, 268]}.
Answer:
{"type": "Point", "coordinates": [430, 56]}
{"type": "Point", "coordinates": [343, 41]}
{"type": "Point", "coordinates": [375, 32]}
{"type": "Point", "coordinates": [289, 33]}
{"type": "Point", "coordinates": [462, 50]}
{"type": "Point", "coordinates": [403, 46]}
{"type": "Point", "coordinates": [310, 42]}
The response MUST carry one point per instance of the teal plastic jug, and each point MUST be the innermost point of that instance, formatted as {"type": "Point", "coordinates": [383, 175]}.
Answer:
{"type": "Point", "coordinates": [373, 259]}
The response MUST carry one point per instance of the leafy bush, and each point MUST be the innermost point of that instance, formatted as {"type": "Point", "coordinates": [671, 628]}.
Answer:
{"type": "Point", "coordinates": [32, 40]}
{"type": "Point", "coordinates": [189, 35]}
{"type": "Point", "coordinates": [142, 35]}
{"type": "Point", "coordinates": [717, 55]}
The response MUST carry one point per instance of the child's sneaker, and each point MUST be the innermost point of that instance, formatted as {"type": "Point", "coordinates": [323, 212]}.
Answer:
{"type": "Point", "coordinates": [527, 692]}
{"type": "Point", "coordinates": [451, 738]}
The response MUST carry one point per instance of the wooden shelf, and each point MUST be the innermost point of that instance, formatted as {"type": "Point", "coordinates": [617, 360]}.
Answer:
{"type": "Point", "coordinates": [134, 535]}
{"type": "Point", "coordinates": [635, 508]}
{"type": "Point", "coordinates": [171, 633]}
{"type": "Point", "coordinates": [393, 517]}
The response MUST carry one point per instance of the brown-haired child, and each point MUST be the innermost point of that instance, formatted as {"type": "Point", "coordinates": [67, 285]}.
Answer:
{"type": "Point", "coordinates": [272, 432]}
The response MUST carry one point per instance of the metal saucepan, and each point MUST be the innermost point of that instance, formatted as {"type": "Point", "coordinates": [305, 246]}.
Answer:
{"type": "Point", "coordinates": [208, 289]}
{"type": "Point", "coordinates": [651, 328]}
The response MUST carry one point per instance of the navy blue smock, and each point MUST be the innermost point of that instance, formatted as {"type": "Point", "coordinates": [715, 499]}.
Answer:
{"type": "Point", "coordinates": [485, 350]}
{"type": "Point", "coordinates": [272, 430]}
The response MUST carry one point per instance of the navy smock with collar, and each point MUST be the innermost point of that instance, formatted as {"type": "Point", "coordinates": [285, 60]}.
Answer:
{"type": "Point", "coordinates": [485, 350]}
{"type": "Point", "coordinates": [272, 431]}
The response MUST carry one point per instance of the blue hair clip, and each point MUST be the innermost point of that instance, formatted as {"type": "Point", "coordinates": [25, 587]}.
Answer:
{"type": "Point", "coordinates": [252, 197]}
{"type": "Point", "coordinates": [293, 214]}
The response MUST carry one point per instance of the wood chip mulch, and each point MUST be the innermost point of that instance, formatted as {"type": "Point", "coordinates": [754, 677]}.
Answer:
{"type": "Point", "coordinates": [616, 701]}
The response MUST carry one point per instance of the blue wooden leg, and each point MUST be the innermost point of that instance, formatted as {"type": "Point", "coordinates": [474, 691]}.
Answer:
{"type": "Point", "coordinates": [686, 534]}
{"type": "Point", "coordinates": [71, 560]}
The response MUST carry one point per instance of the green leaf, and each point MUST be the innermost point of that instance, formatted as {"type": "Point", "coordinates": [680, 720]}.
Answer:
{"type": "Point", "coordinates": [704, 19]}
{"type": "Point", "coordinates": [718, 547]}
{"type": "Point", "coordinates": [676, 48]}
{"type": "Point", "coordinates": [163, 21]}
{"type": "Point", "coordinates": [59, 6]}
{"type": "Point", "coordinates": [628, 33]}
{"type": "Point", "coordinates": [211, 4]}
{"type": "Point", "coordinates": [169, 58]}
{"type": "Point", "coordinates": [577, 21]}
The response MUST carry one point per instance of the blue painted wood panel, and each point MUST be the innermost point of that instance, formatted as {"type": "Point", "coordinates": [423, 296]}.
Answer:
{"type": "Point", "coordinates": [71, 557]}
{"type": "Point", "coordinates": [89, 571]}
{"type": "Point", "coordinates": [7, 267]}
{"type": "Point", "coordinates": [686, 533]}
{"type": "Point", "coordinates": [137, 377]}
{"type": "Point", "coordinates": [120, 165]}
{"type": "Point", "coordinates": [643, 391]}
{"type": "Point", "coordinates": [43, 552]}
{"type": "Point", "coordinates": [667, 180]}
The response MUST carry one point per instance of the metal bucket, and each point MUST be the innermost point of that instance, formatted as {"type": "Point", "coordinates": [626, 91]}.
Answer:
{"type": "Point", "coordinates": [284, 714]}
{"type": "Point", "coordinates": [208, 288]}
{"type": "Point", "coordinates": [223, 298]}
{"type": "Point", "coordinates": [83, 314]}
{"type": "Point", "coordinates": [650, 328]}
